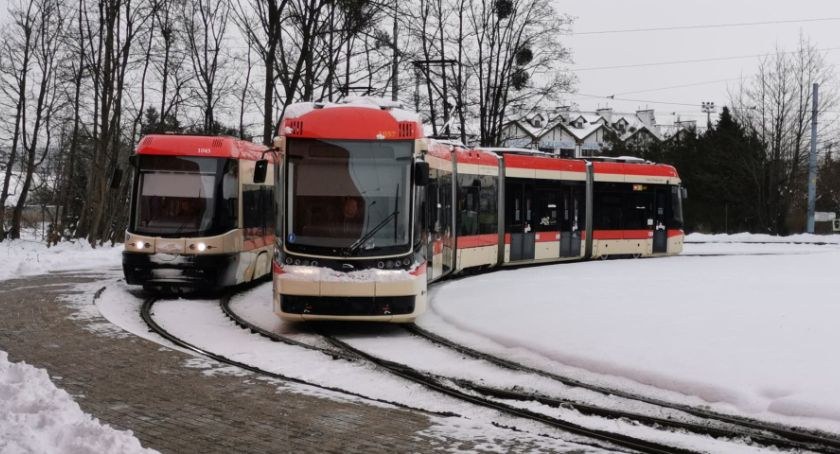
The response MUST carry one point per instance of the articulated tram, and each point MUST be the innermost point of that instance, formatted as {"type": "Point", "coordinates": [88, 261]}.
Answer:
{"type": "Point", "coordinates": [199, 217]}
{"type": "Point", "coordinates": [369, 211]}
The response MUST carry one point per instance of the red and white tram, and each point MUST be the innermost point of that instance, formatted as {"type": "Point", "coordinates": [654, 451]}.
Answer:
{"type": "Point", "coordinates": [199, 220]}
{"type": "Point", "coordinates": [369, 211]}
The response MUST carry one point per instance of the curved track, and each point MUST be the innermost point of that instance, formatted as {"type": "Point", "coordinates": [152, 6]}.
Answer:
{"type": "Point", "coordinates": [484, 395]}
{"type": "Point", "coordinates": [146, 312]}
{"type": "Point", "coordinates": [782, 436]}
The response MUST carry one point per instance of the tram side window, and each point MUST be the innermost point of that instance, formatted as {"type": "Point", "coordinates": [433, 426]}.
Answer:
{"type": "Point", "coordinates": [675, 220]}
{"type": "Point", "coordinates": [548, 210]}
{"type": "Point", "coordinates": [432, 212]}
{"type": "Point", "coordinates": [638, 209]}
{"type": "Point", "coordinates": [608, 211]}
{"type": "Point", "coordinates": [229, 200]}
{"type": "Point", "coordinates": [468, 204]}
{"type": "Point", "coordinates": [257, 210]}
{"type": "Point", "coordinates": [445, 199]}
{"type": "Point", "coordinates": [570, 206]}
{"type": "Point", "coordinates": [487, 209]}
{"type": "Point", "coordinates": [268, 209]}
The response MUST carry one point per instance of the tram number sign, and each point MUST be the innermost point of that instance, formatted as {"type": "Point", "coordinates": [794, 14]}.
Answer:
{"type": "Point", "coordinates": [824, 216]}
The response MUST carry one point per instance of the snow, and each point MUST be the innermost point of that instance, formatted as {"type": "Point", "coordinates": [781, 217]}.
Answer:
{"type": "Point", "coordinates": [202, 323]}
{"type": "Point", "coordinates": [27, 257]}
{"type": "Point", "coordinates": [761, 238]}
{"type": "Point", "coordinates": [36, 416]}
{"type": "Point", "coordinates": [747, 333]}
{"type": "Point", "coordinates": [743, 324]}
{"type": "Point", "coordinates": [395, 108]}
{"type": "Point", "coordinates": [309, 273]}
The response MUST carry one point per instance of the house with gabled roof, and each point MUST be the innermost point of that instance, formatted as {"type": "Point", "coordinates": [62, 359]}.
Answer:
{"type": "Point", "coordinates": [575, 133]}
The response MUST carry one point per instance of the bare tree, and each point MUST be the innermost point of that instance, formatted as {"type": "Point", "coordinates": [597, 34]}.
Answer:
{"type": "Point", "coordinates": [18, 48]}
{"type": "Point", "coordinates": [206, 24]}
{"type": "Point", "coordinates": [49, 24]}
{"type": "Point", "coordinates": [777, 105]}
{"type": "Point", "coordinates": [260, 21]}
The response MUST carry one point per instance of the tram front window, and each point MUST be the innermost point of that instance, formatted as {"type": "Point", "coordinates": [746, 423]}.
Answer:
{"type": "Point", "coordinates": [185, 196]}
{"type": "Point", "coordinates": [350, 198]}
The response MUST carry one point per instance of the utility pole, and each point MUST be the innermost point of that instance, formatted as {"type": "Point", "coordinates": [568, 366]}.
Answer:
{"type": "Point", "coordinates": [395, 87]}
{"type": "Point", "coordinates": [708, 108]}
{"type": "Point", "coordinates": [812, 163]}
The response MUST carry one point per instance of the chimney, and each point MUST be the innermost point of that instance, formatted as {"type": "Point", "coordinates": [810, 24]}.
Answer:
{"type": "Point", "coordinates": [647, 117]}
{"type": "Point", "coordinates": [606, 112]}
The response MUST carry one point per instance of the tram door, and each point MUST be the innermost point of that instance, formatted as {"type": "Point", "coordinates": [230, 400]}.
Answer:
{"type": "Point", "coordinates": [569, 221]}
{"type": "Point", "coordinates": [518, 219]}
{"type": "Point", "coordinates": [660, 232]}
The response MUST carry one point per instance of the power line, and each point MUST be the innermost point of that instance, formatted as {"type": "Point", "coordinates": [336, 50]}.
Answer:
{"type": "Point", "coordinates": [705, 26]}
{"type": "Point", "coordinates": [613, 98]}
{"type": "Point", "coordinates": [695, 84]}
{"type": "Point", "coordinates": [699, 60]}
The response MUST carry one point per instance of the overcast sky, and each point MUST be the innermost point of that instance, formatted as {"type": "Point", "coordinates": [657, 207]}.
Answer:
{"type": "Point", "coordinates": [614, 49]}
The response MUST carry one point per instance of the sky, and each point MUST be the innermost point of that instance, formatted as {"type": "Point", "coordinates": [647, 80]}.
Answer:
{"type": "Point", "coordinates": [648, 86]}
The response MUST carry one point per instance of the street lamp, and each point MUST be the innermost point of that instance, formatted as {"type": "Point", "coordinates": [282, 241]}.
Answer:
{"type": "Point", "coordinates": [708, 108]}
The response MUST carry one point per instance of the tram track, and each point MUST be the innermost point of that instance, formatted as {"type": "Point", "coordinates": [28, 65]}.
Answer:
{"type": "Point", "coordinates": [782, 436]}
{"type": "Point", "coordinates": [489, 396]}
{"type": "Point", "coordinates": [503, 400]}
{"type": "Point", "coordinates": [146, 313]}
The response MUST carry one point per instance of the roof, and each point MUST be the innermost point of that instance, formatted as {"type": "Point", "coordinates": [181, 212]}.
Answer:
{"type": "Point", "coordinates": [204, 146]}
{"type": "Point", "coordinates": [354, 119]}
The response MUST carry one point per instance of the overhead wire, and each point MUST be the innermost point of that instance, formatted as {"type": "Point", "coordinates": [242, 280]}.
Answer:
{"type": "Point", "coordinates": [705, 26]}
{"type": "Point", "coordinates": [699, 60]}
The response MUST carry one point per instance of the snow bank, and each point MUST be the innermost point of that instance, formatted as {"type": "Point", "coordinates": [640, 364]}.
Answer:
{"type": "Point", "coordinates": [753, 334]}
{"type": "Point", "coordinates": [35, 416]}
{"type": "Point", "coordinates": [26, 257]}
{"type": "Point", "coordinates": [761, 238]}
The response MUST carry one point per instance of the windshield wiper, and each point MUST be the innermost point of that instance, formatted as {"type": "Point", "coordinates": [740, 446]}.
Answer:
{"type": "Point", "coordinates": [358, 243]}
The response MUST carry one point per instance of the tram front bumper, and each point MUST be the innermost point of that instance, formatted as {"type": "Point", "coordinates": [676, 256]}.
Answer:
{"type": "Point", "coordinates": [208, 272]}
{"type": "Point", "coordinates": [309, 293]}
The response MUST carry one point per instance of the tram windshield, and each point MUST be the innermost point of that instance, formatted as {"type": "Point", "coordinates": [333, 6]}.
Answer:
{"type": "Point", "coordinates": [349, 198]}
{"type": "Point", "coordinates": [185, 196]}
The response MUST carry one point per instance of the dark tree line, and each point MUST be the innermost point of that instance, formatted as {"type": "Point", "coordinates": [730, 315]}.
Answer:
{"type": "Point", "coordinates": [730, 176]}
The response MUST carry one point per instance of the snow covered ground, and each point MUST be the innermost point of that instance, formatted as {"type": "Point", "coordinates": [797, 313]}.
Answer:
{"type": "Point", "coordinates": [29, 256]}
{"type": "Point", "coordinates": [37, 417]}
{"type": "Point", "coordinates": [744, 324]}
{"type": "Point", "coordinates": [734, 329]}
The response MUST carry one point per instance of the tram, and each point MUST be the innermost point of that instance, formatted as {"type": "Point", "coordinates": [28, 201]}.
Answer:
{"type": "Point", "coordinates": [200, 217]}
{"type": "Point", "coordinates": [370, 212]}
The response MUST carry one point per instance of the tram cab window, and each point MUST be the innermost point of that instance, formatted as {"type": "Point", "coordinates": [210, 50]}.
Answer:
{"type": "Point", "coordinates": [675, 221]}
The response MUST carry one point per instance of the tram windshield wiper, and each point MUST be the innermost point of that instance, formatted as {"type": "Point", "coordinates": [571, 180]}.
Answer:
{"type": "Point", "coordinates": [358, 243]}
{"type": "Point", "coordinates": [364, 238]}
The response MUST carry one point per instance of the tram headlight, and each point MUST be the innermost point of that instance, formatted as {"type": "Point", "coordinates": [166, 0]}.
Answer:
{"type": "Point", "coordinates": [199, 247]}
{"type": "Point", "coordinates": [406, 261]}
{"type": "Point", "coordinates": [140, 245]}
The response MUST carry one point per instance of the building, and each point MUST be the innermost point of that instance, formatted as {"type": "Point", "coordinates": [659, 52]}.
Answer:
{"type": "Point", "coordinates": [573, 133]}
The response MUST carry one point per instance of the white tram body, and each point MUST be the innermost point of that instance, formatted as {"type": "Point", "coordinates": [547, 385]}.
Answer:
{"type": "Point", "coordinates": [370, 212]}
{"type": "Point", "coordinates": [198, 219]}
